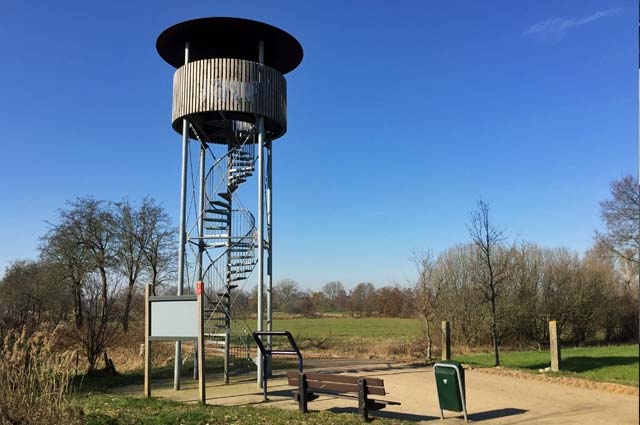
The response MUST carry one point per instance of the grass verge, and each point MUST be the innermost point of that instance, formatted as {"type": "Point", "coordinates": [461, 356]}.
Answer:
{"type": "Point", "coordinates": [616, 364]}
{"type": "Point", "coordinates": [101, 384]}
{"type": "Point", "coordinates": [103, 409]}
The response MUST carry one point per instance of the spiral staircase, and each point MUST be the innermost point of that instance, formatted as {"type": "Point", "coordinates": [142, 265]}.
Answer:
{"type": "Point", "coordinates": [229, 233]}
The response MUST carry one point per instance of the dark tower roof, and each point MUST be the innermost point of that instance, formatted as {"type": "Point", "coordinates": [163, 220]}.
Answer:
{"type": "Point", "coordinates": [233, 38]}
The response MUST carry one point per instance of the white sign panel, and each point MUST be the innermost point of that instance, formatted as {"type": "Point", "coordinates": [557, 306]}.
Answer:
{"type": "Point", "coordinates": [174, 319]}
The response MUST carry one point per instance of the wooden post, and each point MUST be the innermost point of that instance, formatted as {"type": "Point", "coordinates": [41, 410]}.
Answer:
{"type": "Point", "coordinates": [147, 343]}
{"type": "Point", "coordinates": [200, 343]}
{"type": "Point", "coordinates": [302, 393]}
{"type": "Point", "coordinates": [554, 346]}
{"type": "Point", "coordinates": [363, 402]}
{"type": "Point", "coordinates": [446, 341]}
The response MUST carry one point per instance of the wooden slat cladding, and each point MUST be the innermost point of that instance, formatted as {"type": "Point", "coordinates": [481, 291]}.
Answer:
{"type": "Point", "coordinates": [239, 88]}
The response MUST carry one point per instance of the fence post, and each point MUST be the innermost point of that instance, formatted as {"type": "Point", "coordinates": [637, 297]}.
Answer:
{"type": "Point", "coordinates": [446, 341]}
{"type": "Point", "coordinates": [554, 346]}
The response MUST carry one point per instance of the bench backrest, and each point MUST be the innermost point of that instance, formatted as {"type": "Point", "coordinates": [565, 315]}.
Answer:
{"type": "Point", "coordinates": [337, 383]}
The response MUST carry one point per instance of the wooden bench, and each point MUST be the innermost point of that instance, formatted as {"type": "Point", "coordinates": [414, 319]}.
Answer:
{"type": "Point", "coordinates": [312, 384]}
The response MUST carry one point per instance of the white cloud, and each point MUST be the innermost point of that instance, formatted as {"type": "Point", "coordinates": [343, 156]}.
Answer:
{"type": "Point", "coordinates": [558, 27]}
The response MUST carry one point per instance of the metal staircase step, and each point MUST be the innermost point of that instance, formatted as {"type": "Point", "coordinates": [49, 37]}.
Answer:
{"type": "Point", "coordinates": [235, 279]}
{"type": "Point", "coordinates": [220, 204]}
{"type": "Point", "coordinates": [216, 228]}
{"type": "Point", "coordinates": [241, 155]}
{"type": "Point", "coordinates": [217, 245]}
{"type": "Point", "coordinates": [225, 195]}
{"type": "Point", "coordinates": [215, 335]}
{"type": "Point", "coordinates": [216, 211]}
{"type": "Point", "coordinates": [218, 235]}
{"type": "Point", "coordinates": [245, 264]}
{"type": "Point", "coordinates": [240, 170]}
{"type": "Point", "coordinates": [215, 220]}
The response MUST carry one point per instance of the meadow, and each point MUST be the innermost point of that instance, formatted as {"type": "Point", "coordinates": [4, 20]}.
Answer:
{"type": "Point", "coordinates": [367, 337]}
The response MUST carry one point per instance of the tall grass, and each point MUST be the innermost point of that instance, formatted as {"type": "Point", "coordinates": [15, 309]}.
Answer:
{"type": "Point", "coordinates": [35, 380]}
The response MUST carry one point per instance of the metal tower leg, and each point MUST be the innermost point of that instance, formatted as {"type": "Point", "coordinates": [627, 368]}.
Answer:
{"type": "Point", "coordinates": [227, 296]}
{"type": "Point", "coordinates": [201, 247]}
{"type": "Point", "coordinates": [183, 233]}
{"type": "Point", "coordinates": [261, 137]}
{"type": "Point", "coordinates": [269, 253]}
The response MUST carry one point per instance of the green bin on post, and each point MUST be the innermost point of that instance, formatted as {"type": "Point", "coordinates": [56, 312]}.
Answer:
{"type": "Point", "coordinates": [449, 377]}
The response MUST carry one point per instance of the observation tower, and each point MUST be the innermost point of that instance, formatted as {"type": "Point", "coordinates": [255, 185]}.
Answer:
{"type": "Point", "coordinates": [229, 105]}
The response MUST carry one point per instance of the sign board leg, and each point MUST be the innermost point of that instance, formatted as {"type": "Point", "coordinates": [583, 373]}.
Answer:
{"type": "Point", "coordinates": [200, 343]}
{"type": "Point", "coordinates": [147, 343]}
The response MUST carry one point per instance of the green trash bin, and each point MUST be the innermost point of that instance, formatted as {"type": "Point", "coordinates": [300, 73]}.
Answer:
{"type": "Point", "coordinates": [449, 377]}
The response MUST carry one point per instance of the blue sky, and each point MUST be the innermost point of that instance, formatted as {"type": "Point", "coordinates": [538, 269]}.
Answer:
{"type": "Point", "coordinates": [401, 116]}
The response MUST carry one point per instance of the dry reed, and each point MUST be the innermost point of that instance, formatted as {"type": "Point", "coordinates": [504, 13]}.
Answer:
{"type": "Point", "coordinates": [35, 380]}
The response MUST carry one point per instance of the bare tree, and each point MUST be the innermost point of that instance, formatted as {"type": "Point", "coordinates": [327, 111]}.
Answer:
{"type": "Point", "coordinates": [97, 333]}
{"type": "Point", "coordinates": [426, 293]}
{"type": "Point", "coordinates": [129, 253]}
{"type": "Point", "coordinates": [94, 222]}
{"type": "Point", "coordinates": [85, 235]}
{"type": "Point", "coordinates": [332, 290]}
{"type": "Point", "coordinates": [363, 298]}
{"type": "Point", "coordinates": [62, 245]}
{"type": "Point", "coordinates": [156, 241]}
{"type": "Point", "coordinates": [493, 263]}
{"type": "Point", "coordinates": [286, 292]}
{"type": "Point", "coordinates": [32, 296]}
{"type": "Point", "coordinates": [621, 217]}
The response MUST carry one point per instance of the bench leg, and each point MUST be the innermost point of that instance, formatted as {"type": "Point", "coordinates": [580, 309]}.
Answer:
{"type": "Point", "coordinates": [363, 410]}
{"type": "Point", "coordinates": [302, 393]}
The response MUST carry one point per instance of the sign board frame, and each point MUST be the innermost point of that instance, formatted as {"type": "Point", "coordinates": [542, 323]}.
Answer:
{"type": "Point", "coordinates": [179, 302]}
{"type": "Point", "coordinates": [198, 299]}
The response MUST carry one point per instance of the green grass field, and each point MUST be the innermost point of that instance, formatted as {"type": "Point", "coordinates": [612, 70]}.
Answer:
{"type": "Point", "coordinates": [618, 364]}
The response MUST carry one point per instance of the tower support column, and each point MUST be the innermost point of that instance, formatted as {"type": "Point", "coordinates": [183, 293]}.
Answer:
{"type": "Point", "coordinates": [269, 251]}
{"type": "Point", "coordinates": [201, 244]}
{"type": "Point", "coordinates": [261, 137]}
{"type": "Point", "coordinates": [183, 231]}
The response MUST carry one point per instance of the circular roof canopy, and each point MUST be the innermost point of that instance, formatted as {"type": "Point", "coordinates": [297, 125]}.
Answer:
{"type": "Point", "coordinates": [234, 38]}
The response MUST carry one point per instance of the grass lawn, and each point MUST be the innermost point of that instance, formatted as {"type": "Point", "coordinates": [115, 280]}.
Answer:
{"type": "Point", "coordinates": [617, 364]}
{"type": "Point", "coordinates": [106, 409]}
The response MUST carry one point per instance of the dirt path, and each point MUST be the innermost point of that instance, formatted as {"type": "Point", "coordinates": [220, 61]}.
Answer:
{"type": "Point", "coordinates": [491, 399]}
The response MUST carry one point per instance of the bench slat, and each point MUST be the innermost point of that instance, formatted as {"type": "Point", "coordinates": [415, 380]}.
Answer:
{"type": "Point", "coordinates": [332, 377]}
{"type": "Point", "coordinates": [345, 388]}
{"type": "Point", "coordinates": [337, 386]}
{"type": "Point", "coordinates": [345, 379]}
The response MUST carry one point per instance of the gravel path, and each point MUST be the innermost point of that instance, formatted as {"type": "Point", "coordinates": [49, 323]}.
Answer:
{"type": "Point", "coordinates": [491, 398]}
